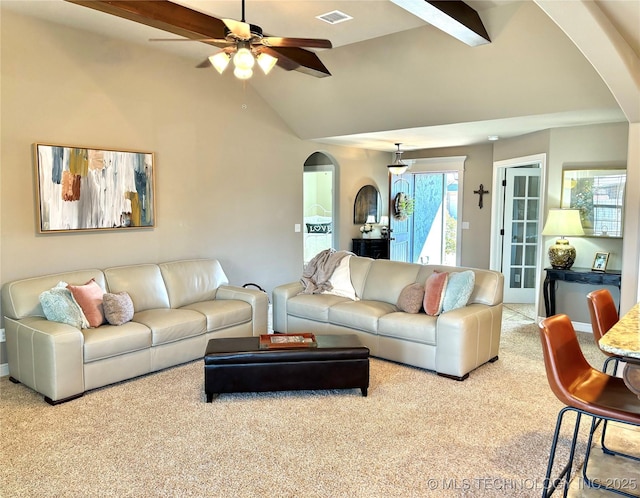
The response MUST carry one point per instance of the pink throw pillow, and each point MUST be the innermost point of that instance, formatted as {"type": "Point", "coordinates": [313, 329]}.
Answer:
{"type": "Point", "coordinates": [89, 297]}
{"type": "Point", "coordinates": [434, 289]}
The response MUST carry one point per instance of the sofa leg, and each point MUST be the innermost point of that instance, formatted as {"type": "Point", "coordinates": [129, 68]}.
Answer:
{"type": "Point", "coordinates": [495, 358]}
{"type": "Point", "coordinates": [63, 400]}
{"type": "Point", "coordinates": [454, 377]}
{"type": "Point", "coordinates": [15, 381]}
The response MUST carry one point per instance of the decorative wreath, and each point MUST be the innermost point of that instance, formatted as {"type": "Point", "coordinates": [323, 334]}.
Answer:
{"type": "Point", "coordinates": [402, 206]}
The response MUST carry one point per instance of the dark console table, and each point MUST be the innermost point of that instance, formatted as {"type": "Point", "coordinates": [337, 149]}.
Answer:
{"type": "Point", "coordinates": [578, 276]}
{"type": "Point", "coordinates": [371, 248]}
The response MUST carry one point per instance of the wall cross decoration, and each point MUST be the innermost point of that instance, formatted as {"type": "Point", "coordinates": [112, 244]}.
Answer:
{"type": "Point", "coordinates": [481, 191]}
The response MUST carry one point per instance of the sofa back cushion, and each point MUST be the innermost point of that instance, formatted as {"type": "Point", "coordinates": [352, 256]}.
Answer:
{"type": "Point", "coordinates": [144, 283]}
{"type": "Point", "coordinates": [192, 281]}
{"type": "Point", "coordinates": [488, 288]}
{"type": "Point", "coordinates": [359, 269]}
{"type": "Point", "coordinates": [21, 298]}
{"type": "Point", "coordinates": [386, 279]}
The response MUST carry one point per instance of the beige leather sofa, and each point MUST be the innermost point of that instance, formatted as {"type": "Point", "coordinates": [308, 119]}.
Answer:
{"type": "Point", "coordinates": [452, 344]}
{"type": "Point", "coordinates": [178, 307]}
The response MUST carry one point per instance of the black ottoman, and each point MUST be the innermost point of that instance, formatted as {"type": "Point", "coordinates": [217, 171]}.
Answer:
{"type": "Point", "coordinates": [238, 364]}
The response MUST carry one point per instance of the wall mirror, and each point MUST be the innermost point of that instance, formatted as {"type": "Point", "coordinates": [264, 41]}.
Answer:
{"type": "Point", "coordinates": [599, 195]}
{"type": "Point", "coordinates": [367, 203]}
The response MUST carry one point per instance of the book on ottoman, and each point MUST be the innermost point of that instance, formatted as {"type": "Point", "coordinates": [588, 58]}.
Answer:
{"type": "Point", "coordinates": [286, 341]}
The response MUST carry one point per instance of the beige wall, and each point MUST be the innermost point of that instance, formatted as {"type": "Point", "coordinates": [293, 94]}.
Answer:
{"type": "Point", "coordinates": [574, 148]}
{"type": "Point", "coordinates": [478, 169]}
{"type": "Point", "coordinates": [228, 170]}
{"type": "Point", "coordinates": [423, 77]}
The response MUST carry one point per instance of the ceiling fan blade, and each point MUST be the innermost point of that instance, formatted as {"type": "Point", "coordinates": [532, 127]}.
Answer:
{"type": "Point", "coordinates": [182, 21]}
{"type": "Point", "coordinates": [216, 42]}
{"type": "Point", "coordinates": [241, 29]}
{"type": "Point", "coordinates": [298, 59]}
{"type": "Point", "coordinates": [161, 14]}
{"type": "Point", "coordinates": [275, 41]}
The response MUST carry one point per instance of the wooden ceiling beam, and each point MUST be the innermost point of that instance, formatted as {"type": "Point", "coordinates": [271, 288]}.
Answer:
{"type": "Point", "coordinates": [454, 17]}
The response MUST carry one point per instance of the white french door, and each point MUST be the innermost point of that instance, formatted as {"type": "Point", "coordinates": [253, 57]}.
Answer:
{"type": "Point", "coordinates": [520, 228]}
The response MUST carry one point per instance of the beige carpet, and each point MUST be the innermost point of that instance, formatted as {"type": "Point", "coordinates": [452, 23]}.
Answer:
{"type": "Point", "coordinates": [415, 435]}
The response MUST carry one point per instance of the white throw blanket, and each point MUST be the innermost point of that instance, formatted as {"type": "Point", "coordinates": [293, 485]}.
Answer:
{"type": "Point", "coordinates": [317, 274]}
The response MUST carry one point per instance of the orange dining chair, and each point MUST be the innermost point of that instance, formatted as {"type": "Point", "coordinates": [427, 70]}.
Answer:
{"type": "Point", "coordinates": [604, 315]}
{"type": "Point", "coordinates": [586, 391]}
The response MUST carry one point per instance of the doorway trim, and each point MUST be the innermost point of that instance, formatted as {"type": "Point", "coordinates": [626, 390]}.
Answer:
{"type": "Point", "coordinates": [324, 161]}
{"type": "Point", "coordinates": [497, 207]}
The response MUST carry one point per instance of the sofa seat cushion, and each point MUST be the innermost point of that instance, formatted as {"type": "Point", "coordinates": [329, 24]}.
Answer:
{"type": "Point", "coordinates": [360, 315]}
{"type": "Point", "coordinates": [412, 327]}
{"type": "Point", "coordinates": [222, 313]}
{"type": "Point", "coordinates": [169, 325]}
{"type": "Point", "coordinates": [313, 306]}
{"type": "Point", "coordinates": [113, 340]}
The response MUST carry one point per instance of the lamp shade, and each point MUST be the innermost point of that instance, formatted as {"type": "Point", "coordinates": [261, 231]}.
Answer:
{"type": "Point", "coordinates": [371, 219]}
{"type": "Point", "coordinates": [220, 61]}
{"type": "Point", "coordinates": [562, 222]}
{"type": "Point", "coordinates": [266, 62]}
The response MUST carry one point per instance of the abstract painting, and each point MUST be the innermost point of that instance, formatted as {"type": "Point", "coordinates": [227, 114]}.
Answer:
{"type": "Point", "coordinates": [94, 189]}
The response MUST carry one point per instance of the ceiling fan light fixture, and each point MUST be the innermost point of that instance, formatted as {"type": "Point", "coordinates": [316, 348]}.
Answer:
{"type": "Point", "coordinates": [220, 61]}
{"type": "Point", "coordinates": [242, 74]}
{"type": "Point", "coordinates": [398, 167]}
{"type": "Point", "coordinates": [266, 62]}
{"type": "Point", "coordinates": [244, 59]}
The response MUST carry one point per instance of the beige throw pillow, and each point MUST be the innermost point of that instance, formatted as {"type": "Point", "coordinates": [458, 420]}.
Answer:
{"type": "Point", "coordinates": [118, 308]}
{"type": "Point", "coordinates": [411, 297]}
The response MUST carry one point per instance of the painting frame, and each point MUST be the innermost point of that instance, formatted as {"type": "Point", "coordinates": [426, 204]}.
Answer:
{"type": "Point", "coordinates": [600, 261]}
{"type": "Point", "coordinates": [82, 189]}
{"type": "Point", "coordinates": [599, 196]}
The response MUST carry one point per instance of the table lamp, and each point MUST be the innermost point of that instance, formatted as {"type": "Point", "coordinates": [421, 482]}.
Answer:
{"type": "Point", "coordinates": [562, 222]}
{"type": "Point", "coordinates": [384, 227]}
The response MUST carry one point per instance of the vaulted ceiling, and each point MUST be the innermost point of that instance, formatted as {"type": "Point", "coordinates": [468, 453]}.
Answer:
{"type": "Point", "coordinates": [396, 78]}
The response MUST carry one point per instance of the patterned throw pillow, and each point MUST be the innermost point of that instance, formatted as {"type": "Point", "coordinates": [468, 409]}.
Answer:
{"type": "Point", "coordinates": [89, 297]}
{"type": "Point", "coordinates": [434, 289]}
{"type": "Point", "coordinates": [118, 308]}
{"type": "Point", "coordinates": [459, 288]}
{"type": "Point", "coordinates": [318, 227]}
{"type": "Point", "coordinates": [59, 305]}
{"type": "Point", "coordinates": [411, 298]}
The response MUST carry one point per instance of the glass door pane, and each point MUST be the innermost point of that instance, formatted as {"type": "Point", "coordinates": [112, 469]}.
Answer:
{"type": "Point", "coordinates": [522, 201]}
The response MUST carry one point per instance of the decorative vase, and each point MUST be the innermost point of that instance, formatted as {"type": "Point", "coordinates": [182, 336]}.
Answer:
{"type": "Point", "coordinates": [562, 254]}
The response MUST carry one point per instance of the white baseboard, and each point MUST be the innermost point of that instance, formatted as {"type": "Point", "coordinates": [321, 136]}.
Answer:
{"type": "Point", "coordinates": [4, 369]}
{"type": "Point", "coordinates": [582, 327]}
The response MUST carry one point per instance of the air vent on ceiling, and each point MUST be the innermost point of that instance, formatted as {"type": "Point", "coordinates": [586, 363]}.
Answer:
{"type": "Point", "coordinates": [334, 17]}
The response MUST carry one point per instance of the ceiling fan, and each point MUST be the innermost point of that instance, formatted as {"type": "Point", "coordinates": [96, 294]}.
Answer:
{"type": "Point", "coordinates": [245, 44]}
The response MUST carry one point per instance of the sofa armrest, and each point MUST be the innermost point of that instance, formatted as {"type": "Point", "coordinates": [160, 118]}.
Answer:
{"type": "Point", "coordinates": [46, 356]}
{"type": "Point", "coordinates": [258, 301]}
{"type": "Point", "coordinates": [467, 338]}
{"type": "Point", "coordinates": [281, 295]}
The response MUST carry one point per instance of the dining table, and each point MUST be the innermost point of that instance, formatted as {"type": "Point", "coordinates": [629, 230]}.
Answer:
{"type": "Point", "coordinates": [623, 340]}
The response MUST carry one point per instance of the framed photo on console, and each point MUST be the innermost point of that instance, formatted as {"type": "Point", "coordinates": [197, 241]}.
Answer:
{"type": "Point", "coordinates": [600, 261]}
{"type": "Point", "coordinates": [81, 188]}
